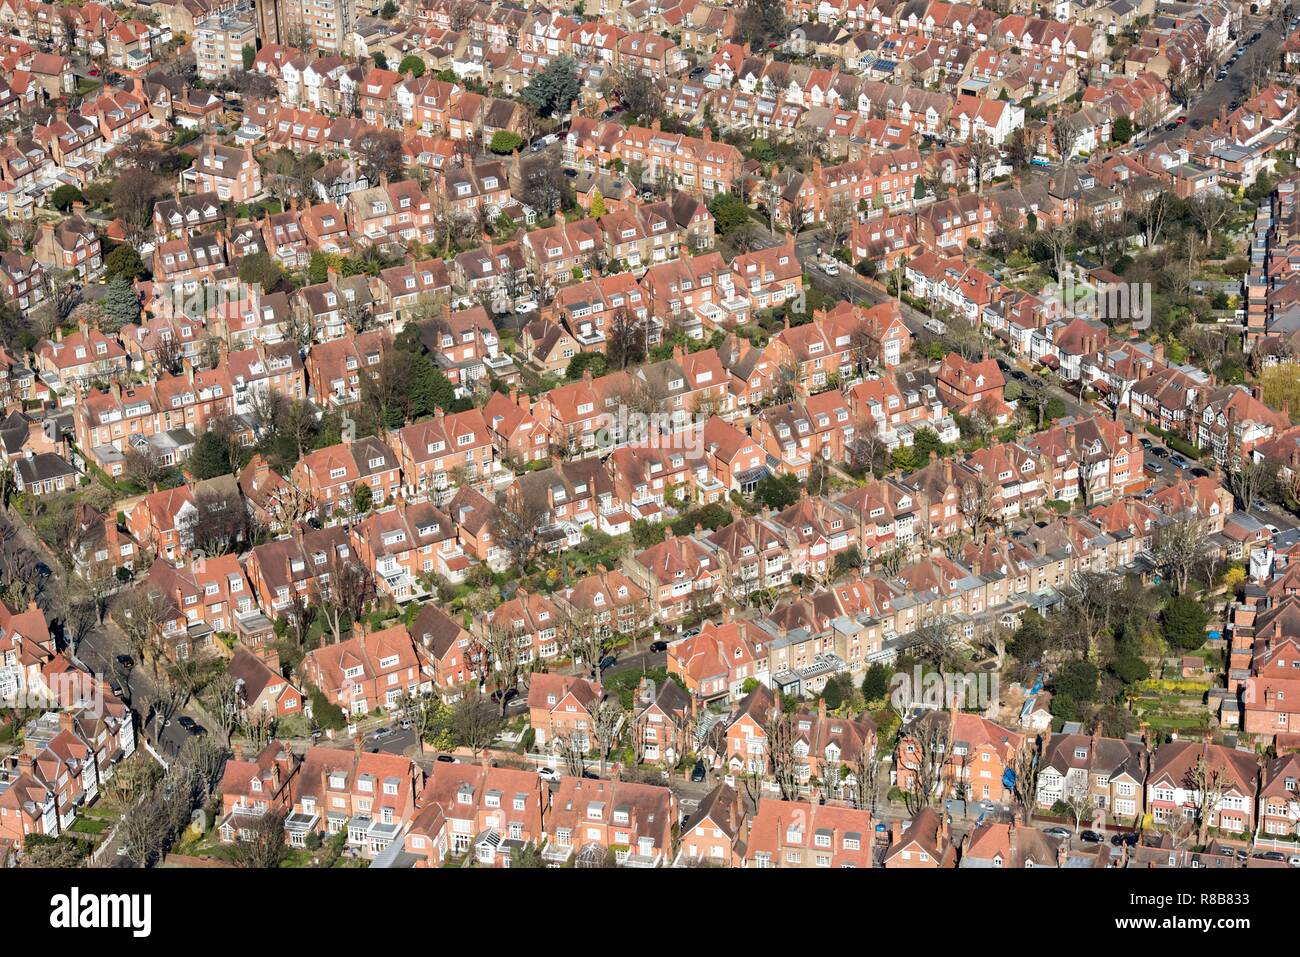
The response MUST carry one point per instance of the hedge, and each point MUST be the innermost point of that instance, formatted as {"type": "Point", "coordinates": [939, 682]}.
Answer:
{"type": "Point", "coordinates": [1175, 441]}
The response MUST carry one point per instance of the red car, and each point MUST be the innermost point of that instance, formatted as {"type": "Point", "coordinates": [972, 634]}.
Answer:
{"type": "Point", "coordinates": [1182, 120]}
{"type": "Point", "coordinates": [94, 72]}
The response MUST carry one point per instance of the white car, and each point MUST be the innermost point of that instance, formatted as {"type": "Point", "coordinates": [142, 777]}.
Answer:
{"type": "Point", "coordinates": [831, 267]}
{"type": "Point", "coordinates": [936, 326]}
{"type": "Point", "coordinates": [1273, 530]}
{"type": "Point", "coordinates": [548, 774]}
{"type": "Point", "coordinates": [523, 307]}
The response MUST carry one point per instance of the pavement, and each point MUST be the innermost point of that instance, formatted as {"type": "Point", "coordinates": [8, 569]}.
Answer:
{"type": "Point", "coordinates": [1219, 94]}
{"type": "Point", "coordinates": [99, 651]}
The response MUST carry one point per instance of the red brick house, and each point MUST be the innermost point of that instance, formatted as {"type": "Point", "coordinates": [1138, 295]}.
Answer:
{"type": "Point", "coordinates": [370, 671]}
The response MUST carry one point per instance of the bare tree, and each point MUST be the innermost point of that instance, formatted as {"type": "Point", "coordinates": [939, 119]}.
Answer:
{"type": "Point", "coordinates": [144, 830]}
{"type": "Point", "coordinates": [21, 575]}
{"type": "Point", "coordinates": [1209, 209]}
{"type": "Point", "coordinates": [499, 642]}
{"type": "Point", "coordinates": [1208, 785]}
{"type": "Point", "coordinates": [628, 338]}
{"type": "Point", "coordinates": [980, 503]}
{"type": "Point", "coordinates": [1177, 545]}
{"type": "Point", "coordinates": [62, 296]}
{"type": "Point", "coordinates": [780, 732]}
{"type": "Point", "coordinates": [144, 465]}
{"type": "Point", "coordinates": [259, 727]}
{"type": "Point", "coordinates": [380, 152]}
{"type": "Point", "coordinates": [985, 157]}
{"type": "Point", "coordinates": [299, 616]}
{"type": "Point", "coordinates": [1024, 765]}
{"type": "Point", "coordinates": [866, 450]}
{"type": "Point", "coordinates": [837, 221]}
{"type": "Point", "coordinates": [80, 609]}
{"type": "Point", "coordinates": [134, 192]}
{"type": "Point", "coordinates": [475, 722]}
{"type": "Point", "coordinates": [225, 703]}
{"type": "Point", "coordinates": [205, 761]}
{"type": "Point", "coordinates": [1089, 609]}
{"type": "Point", "coordinates": [866, 778]}
{"type": "Point", "coordinates": [572, 750]}
{"type": "Point", "coordinates": [516, 524]}
{"type": "Point", "coordinates": [421, 712]}
{"type": "Point", "coordinates": [1065, 136]}
{"type": "Point", "coordinates": [219, 523]}
{"type": "Point", "coordinates": [1148, 211]}
{"type": "Point", "coordinates": [935, 640]}
{"type": "Point", "coordinates": [923, 755]}
{"type": "Point", "coordinates": [1081, 804]}
{"type": "Point", "coordinates": [343, 592]}
{"type": "Point", "coordinates": [890, 560]}
{"type": "Point", "coordinates": [1058, 237]}
{"type": "Point", "coordinates": [1245, 475]}
{"type": "Point", "coordinates": [585, 637]}
{"type": "Point", "coordinates": [261, 842]}
{"type": "Point", "coordinates": [140, 612]}
{"type": "Point", "coordinates": [607, 721]}
{"type": "Point", "coordinates": [288, 505]}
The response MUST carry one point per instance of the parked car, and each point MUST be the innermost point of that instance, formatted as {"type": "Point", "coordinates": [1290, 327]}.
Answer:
{"type": "Point", "coordinates": [115, 688]}
{"type": "Point", "coordinates": [448, 759]}
{"type": "Point", "coordinates": [697, 772]}
{"type": "Point", "coordinates": [1061, 832]}
{"type": "Point", "coordinates": [191, 726]}
{"type": "Point", "coordinates": [831, 267]}
{"type": "Point", "coordinates": [607, 662]}
{"type": "Point", "coordinates": [1155, 467]}
{"type": "Point", "coordinates": [658, 646]}
{"type": "Point", "coordinates": [548, 774]}
{"type": "Point", "coordinates": [1273, 530]}
{"type": "Point", "coordinates": [527, 306]}
{"type": "Point", "coordinates": [936, 326]}
{"type": "Point", "coordinates": [1146, 443]}
{"type": "Point", "coordinates": [1271, 856]}
{"type": "Point", "coordinates": [1161, 451]}
{"type": "Point", "coordinates": [1091, 837]}
{"type": "Point", "coordinates": [690, 632]}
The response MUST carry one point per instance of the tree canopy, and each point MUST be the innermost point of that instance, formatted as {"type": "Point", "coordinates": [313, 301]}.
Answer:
{"type": "Point", "coordinates": [554, 89]}
{"type": "Point", "coordinates": [412, 65]}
